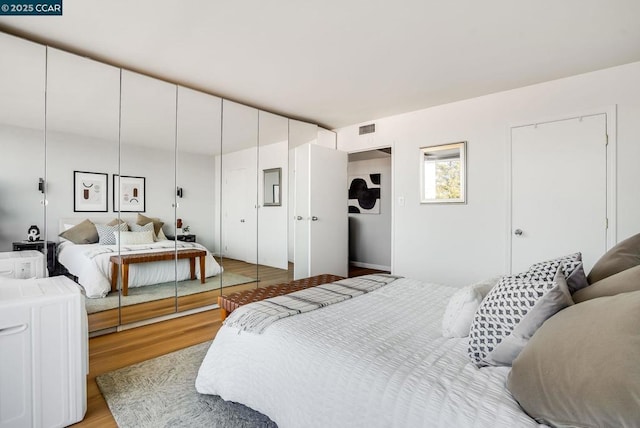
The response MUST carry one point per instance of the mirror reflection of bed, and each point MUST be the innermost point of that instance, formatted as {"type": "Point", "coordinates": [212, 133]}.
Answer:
{"type": "Point", "coordinates": [127, 125]}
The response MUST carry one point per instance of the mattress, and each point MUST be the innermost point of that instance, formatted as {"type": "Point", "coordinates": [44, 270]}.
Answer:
{"type": "Point", "coordinates": [90, 264]}
{"type": "Point", "coordinates": [377, 360]}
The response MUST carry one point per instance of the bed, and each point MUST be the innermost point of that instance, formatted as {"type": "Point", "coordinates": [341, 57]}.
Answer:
{"type": "Point", "coordinates": [376, 360]}
{"type": "Point", "coordinates": [90, 263]}
{"type": "Point", "coordinates": [550, 346]}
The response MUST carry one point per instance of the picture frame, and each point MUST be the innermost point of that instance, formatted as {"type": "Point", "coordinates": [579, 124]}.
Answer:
{"type": "Point", "coordinates": [90, 191]}
{"type": "Point", "coordinates": [129, 194]}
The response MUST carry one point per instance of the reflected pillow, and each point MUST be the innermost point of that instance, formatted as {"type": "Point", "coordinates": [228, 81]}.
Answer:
{"type": "Point", "coordinates": [134, 238]}
{"type": "Point", "coordinates": [581, 367]}
{"type": "Point", "coordinates": [115, 221]}
{"type": "Point", "coordinates": [510, 314]}
{"type": "Point", "coordinates": [107, 233]}
{"type": "Point", "coordinates": [84, 232]}
{"type": "Point", "coordinates": [462, 306]}
{"type": "Point", "coordinates": [625, 255]}
{"type": "Point", "coordinates": [146, 227]}
{"type": "Point", "coordinates": [157, 224]}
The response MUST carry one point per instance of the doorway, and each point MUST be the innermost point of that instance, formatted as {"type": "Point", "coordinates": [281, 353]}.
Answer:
{"type": "Point", "coordinates": [370, 206]}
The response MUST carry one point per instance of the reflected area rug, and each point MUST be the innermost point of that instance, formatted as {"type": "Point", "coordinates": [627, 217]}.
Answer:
{"type": "Point", "coordinates": [161, 393]}
{"type": "Point", "coordinates": [162, 291]}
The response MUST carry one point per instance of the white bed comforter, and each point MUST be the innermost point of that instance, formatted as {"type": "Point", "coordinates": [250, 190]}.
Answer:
{"type": "Point", "coordinates": [90, 264]}
{"type": "Point", "coordinates": [377, 360]}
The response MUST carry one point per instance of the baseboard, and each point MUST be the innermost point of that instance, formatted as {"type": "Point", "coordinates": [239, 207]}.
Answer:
{"type": "Point", "coordinates": [370, 266]}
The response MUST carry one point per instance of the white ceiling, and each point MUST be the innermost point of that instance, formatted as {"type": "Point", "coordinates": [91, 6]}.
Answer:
{"type": "Point", "coordinates": [339, 62]}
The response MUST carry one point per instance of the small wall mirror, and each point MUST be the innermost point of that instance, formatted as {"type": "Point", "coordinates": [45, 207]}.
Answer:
{"type": "Point", "coordinates": [271, 180]}
{"type": "Point", "coordinates": [442, 173]}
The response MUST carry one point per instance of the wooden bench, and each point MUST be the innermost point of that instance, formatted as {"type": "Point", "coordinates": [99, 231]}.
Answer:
{"type": "Point", "coordinates": [128, 259]}
{"type": "Point", "coordinates": [235, 300]}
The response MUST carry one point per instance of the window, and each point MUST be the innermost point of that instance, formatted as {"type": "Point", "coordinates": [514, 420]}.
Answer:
{"type": "Point", "coordinates": [442, 173]}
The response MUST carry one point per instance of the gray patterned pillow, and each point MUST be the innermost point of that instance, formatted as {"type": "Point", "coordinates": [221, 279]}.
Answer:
{"type": "Point", "coordinates": [510, 314]}
{"type": "Point", "coordinates": [137, 228]}
{"type": "Point", "coordinates": [571, 268]}
{"type": "Point", "coordinates": [107, 233]}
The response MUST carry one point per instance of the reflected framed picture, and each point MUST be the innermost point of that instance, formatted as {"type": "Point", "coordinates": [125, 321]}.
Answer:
{"type": "Point", "coordinates": [90, 191]}
{"type": "Point", "coordinates": [128, 194]}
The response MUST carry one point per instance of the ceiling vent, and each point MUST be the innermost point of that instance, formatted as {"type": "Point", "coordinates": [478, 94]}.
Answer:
{"type": "Point", "coordinates": [367, 129]}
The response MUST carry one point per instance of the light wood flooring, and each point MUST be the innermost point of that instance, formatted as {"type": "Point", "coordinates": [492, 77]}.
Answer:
{"type": "Point", "coordinates": [116, 350]}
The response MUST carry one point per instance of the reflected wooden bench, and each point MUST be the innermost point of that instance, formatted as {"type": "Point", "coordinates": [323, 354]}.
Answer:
{"type": "Point", "coordinates": [128, 259]}
{"type": "Point", "coordinates": [235, 300]}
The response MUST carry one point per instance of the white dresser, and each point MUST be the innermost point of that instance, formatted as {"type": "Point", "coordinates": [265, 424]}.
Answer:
{"type": "Point", "coordinates": [22, 264]}
{"type": "Point", "coordinates": [43, 353]}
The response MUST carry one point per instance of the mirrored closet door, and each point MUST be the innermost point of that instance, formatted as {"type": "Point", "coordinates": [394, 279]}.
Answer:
{"type": "Point", "coordinates": [22, 164]}
{"type": "Point", "coordinates": [239, 196]}
{"type": "Point", "coordinates": [145, 196]}
{"type": "Point", "coordinates": [199, 125]}
{"type": "Point", "coordinates": [83, 101]}
{"type": "Point", "coordinates": [273, 199]}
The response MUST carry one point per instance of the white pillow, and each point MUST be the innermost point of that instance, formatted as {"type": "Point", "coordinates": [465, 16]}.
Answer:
{"type": "Point", "coordinates": [462, 306]}
{"type": "Point", "coordinates": [134, 238]}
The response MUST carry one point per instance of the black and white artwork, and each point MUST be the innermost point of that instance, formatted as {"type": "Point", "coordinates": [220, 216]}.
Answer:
{"type": "Point", "coordinates": [89, 191]}
{"type": "Point", "coordinates": [364, 194]}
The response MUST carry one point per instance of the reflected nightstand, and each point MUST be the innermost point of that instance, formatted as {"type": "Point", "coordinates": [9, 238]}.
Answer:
{"type": "Point", "coordinates": [39, 245]}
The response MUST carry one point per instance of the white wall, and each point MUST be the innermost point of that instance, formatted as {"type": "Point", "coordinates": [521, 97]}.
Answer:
{"type": "Point", "coordinates": [464, 243]}
{"type": "Point", "coordinates": [370, 234]}
{"type": "Point", "coordinates": [21, 165]}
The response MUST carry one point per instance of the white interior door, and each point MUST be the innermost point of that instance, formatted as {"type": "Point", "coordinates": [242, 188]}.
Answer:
{"type": "Point", "coordinates": [558, 193]}
{"type": "Point", "coordinates": [301, 212]}
{"type": "Point", "coordinates": [328, 211]}
{"type": "Point", "coordinates": [238, 215]}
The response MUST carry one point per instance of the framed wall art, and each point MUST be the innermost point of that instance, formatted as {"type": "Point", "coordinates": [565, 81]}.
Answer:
{"type": "Point", "coordinates": [90, 191]}
{"type": "Point", "coordinates": [128, 193]}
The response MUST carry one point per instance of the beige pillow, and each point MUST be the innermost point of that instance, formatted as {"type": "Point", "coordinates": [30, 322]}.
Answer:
{"type": "Point", "coordinates": [581, 367]}
{"type": "Point", "coordinates": [157, 224]}
{"type": "Point", "coordinates": [84, 232]}
{"type": "Point", "coordinates": [624, 255]}
{"type": "Point", "coordinates": [622, 282]}
{"type": "Point", "coordinates": [115, 222]}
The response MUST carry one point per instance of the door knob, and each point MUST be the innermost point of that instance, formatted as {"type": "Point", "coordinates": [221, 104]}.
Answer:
{"type": "Point", "coordinates": [241, 220]}
{"type": "Point", "coordinates": [299, 217]}
{"type": "Point", "coordinates": [518, 232]}
{"type": "Point", "coordinates": [314, 218]}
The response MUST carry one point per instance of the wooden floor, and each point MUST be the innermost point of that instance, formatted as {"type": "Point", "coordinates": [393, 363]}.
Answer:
{"type": "Point", "coordinates": [116, 350]}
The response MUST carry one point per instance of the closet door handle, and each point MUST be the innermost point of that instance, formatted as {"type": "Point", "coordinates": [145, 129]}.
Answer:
{"type": "Point", "coordinates": [299, 218]}
{"type": "Point", "coordinates": [314, 218]}
{"type": "Point", "coordinates": [13, 330]}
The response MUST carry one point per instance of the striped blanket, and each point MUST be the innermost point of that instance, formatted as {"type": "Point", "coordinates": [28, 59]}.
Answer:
{"type": "Point", "coordinates": [94, 251]}
{"type": "Point", "coordinates": [257, 316]}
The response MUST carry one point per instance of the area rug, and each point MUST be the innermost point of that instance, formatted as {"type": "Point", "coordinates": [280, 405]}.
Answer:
{"type": "Point", "coordinates": [162, 291]}
{"type": "Point", "coordinates": [161, 393]}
